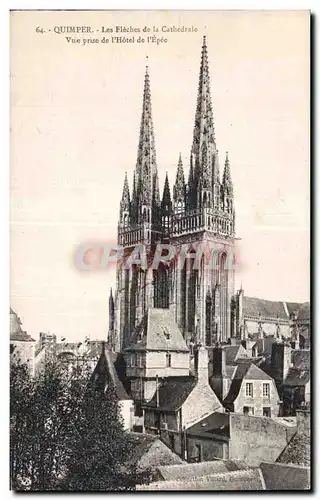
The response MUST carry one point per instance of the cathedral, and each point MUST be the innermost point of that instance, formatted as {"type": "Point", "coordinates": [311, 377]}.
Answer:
{"type": "Point", "coordinates": [198, 210]}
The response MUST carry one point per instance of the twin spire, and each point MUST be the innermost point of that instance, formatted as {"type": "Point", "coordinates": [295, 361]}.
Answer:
{"type": "Point", "coordinates": [203, 189]}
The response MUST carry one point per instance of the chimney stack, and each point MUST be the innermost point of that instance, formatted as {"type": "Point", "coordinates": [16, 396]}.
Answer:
{"type": "Point", "coordinates": [201, 362]}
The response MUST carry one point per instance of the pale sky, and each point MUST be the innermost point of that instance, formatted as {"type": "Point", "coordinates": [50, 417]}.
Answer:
{"type": "Point", "coordinates": [75, 117]}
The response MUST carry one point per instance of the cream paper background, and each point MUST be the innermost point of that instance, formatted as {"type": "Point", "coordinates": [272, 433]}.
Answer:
{"type": "Point", "coordinates": [75, 116]}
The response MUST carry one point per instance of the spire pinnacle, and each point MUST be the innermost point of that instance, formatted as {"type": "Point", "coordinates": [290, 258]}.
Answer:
{"type": "Point", "coordinates": [227, 173]}
{"type": "Point", "coordinates": [179, 188]}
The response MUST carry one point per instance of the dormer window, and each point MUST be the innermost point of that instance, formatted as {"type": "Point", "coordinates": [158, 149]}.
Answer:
{"type": "Point", "coordinates": [166, 333]}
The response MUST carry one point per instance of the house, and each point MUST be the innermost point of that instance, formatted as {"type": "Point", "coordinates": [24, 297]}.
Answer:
{"type": "Point", "coordinates": [232, 436]}
{"type": "Point", "coordinates": [180, 402]}
{"type": "Point", "coordinates": [22, 345]}
{"type": "Point", "coordinates": [157, 350]}
{"type": "Point", "coordinates": [105, 377]}
{"type": "Point", "coordinates": [291, 370]}
{"type": "Point", "coordinates": [240, 384]}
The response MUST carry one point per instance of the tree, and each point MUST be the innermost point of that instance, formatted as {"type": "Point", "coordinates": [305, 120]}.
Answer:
{"type": "Point", "coordinates": [66, 434]}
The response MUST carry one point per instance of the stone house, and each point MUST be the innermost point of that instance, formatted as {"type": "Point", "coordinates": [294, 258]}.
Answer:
{"type": "Point", "coordinates": [241, 385]}
{"type": "Point", "coordinates": [104, 377]}
{"type": "Point", "coordinates": [291, 370]}
{"type": "Point", "coordinates": [22, 345]}
{"type": "Point", "coordinates": [157, 350]}
{"type": "Point", "coordinates": [179, 402]}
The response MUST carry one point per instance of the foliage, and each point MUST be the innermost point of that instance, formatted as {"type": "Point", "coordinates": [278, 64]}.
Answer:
{"type": "Point", "coordinates": [65, 434]}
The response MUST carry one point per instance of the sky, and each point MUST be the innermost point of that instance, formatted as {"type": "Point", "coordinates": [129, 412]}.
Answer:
{"type": "Point", "coordinates": [75, 117]}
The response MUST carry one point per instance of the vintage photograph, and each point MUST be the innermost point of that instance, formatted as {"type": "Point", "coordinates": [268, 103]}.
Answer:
{"type": "Point", "coordinates": [160, 325]}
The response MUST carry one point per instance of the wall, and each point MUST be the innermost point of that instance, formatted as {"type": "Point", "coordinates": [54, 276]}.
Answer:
{"type": "Point", "coordinates": [25, 351]}
{"type": "Point", "coordinates": [210, 449]}
{"type": "Point", "coordinates": [303, 422]}
{"type": "Point", "coordinates": [258, 401]}
{"type": "Point", "coordinates": [257, 439]}
{"type": "Point", "coordinates": [156, 364]}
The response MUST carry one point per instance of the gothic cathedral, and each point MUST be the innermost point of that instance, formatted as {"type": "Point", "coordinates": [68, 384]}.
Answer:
{"type": "Point", "coordinates": [198, 211]}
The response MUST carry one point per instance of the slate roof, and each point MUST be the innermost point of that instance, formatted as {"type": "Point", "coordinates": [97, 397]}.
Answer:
{"type": "Point", "coordinates": [150, 451]}
{"type": "Point", "coordinates": [216, 423]}
{"type": "Point", "coordinates": [301, 310]}
{"type": "Point", "coordinates": [187, 470]}
{"type": "Point", "coordinates": [297, 451]}
{"type": "Point", "coordinates": [239, 480]}
{"type": "Point", "coordinates": [246, 369]}
{"type": "Point", "coordinates": [304, 312]}
{"type": "Point", "coordinates": [158, 331]}
{"type": "Point", "coordinates": [173, 391]}
{"type": "Point", "coordinates": [252, 306]}
{"type": "Point", "coordinates": [285, 477]}
{"type": "Point", "coordinates": [105, 375]}
{"type": "Point", "coordinates": [300, 358]}
{"type": "Point", "coordinates": [297, 377]}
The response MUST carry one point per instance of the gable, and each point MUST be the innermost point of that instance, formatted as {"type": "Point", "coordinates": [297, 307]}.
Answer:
{"type": "Point", "coordinates": [158, 331]}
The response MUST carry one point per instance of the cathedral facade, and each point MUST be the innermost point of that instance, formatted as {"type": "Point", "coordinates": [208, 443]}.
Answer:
{"type": "Point", "coordinates": [198, 212]}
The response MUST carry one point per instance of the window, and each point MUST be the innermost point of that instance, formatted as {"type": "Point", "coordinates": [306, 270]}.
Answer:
{"type": "Point", "coordinates": [248, 410]}
{"type": "Point", "coordinates": [139, 359]}
{"type": "Point", "coordinates": [266, 390]}
{"type": "Point", "coordinates": [266, 411]}
{"type": "Point", "coordinates": [198, 453]}
{"type": "Point", "coordinates": [168, 359]}
{"type": "Point", "coordinates": [249, 389]}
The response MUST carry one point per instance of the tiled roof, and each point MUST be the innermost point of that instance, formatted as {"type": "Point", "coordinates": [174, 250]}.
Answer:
{"type": "Point", "coordinates": [173, 391]}
{"type": "Point", "coordinates": [150, 451]}
{"type": "Point", "coordinates": [285, 477]}
{"type": "Point", "coordinates": [253, 306]}
{"type": "Point", "coordinates": [158, 331]}
{"type": "Point", "coordinates": [297, 451]}
{"type": "Point", "coordinates": [185, 471]}
{"type": "Point", "coordinates": [215, 423]}
{"type": "Point", "coordinates": [105, 375]}
{"type": "Point", "coordinates": [239, 480]}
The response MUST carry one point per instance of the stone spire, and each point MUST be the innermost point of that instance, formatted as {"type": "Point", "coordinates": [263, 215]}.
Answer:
{"type": "Point", "coordinates": [179, 188]}
{"type": "Point", "coordinates": [203, 148]}
{"type": "Point", "coordinates": [146, 175]}
{"type": "Point", "coordinates": [226, 180]}
{"type": "Point", "coordinates": [227, 188]}
{"type": "Point", "coordinates": [166, 197]}
{"type": "Point", "coordinates": [125, 202]}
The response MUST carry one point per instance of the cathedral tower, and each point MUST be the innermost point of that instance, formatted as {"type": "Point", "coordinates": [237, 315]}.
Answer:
{"type": "Point", "coordinates": [202, 293]}
{"type": "Point", "coordinates": [199, 216]}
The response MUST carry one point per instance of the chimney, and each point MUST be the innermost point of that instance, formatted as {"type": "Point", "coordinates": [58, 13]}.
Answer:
{"type": "Point", "coordinates": [218, 361]}
{"type": "Point", "coordinates": [201, 362]}
{"type": "Point", "coordinates": [280, 360]}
